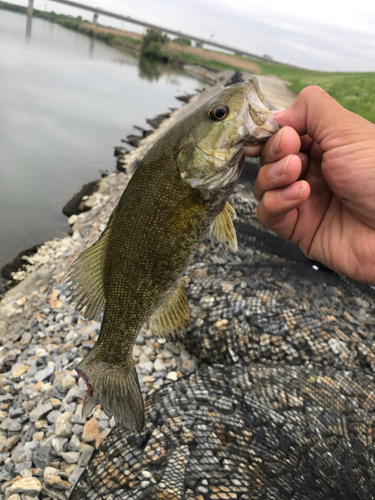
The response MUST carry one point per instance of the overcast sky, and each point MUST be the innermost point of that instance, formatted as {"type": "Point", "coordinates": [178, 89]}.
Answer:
{"type": "Point", "coordinates": [328, 35]}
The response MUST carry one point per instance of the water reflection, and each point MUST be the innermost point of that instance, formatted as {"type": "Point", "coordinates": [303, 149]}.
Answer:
{"type": "Point", "coordinates": [149, 69]}
{"type": "Point", "coordinates": [62, 111]}
{"type": "Point", "coordinates": [92, 45]}
{"type": "Point", "coordinates": [29, 22]}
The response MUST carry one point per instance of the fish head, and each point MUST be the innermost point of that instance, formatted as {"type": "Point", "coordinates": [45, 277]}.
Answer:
{"type": "Point", "coordinates": [260, 122]}
{"type": "Point", "coordinates": [216, 132]}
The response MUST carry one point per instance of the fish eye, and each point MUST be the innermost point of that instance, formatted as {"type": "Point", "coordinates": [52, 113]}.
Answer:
{"type": "Point", "coordinates": [218, 112]}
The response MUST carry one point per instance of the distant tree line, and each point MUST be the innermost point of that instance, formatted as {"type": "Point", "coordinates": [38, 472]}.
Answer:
{"type": "Point", "coordinates": [152, 44]}
{"type": "Point", "coordinates": [13, 7]}
{"type": "Point", "coordinates": [67, 21]}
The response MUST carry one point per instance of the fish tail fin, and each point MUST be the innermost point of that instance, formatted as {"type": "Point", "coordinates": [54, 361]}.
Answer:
{"type": "Point", "coordinates": [115, 387]}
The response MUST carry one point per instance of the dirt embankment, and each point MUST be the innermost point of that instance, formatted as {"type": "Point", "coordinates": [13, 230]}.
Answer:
{"type": "Point", "coordinates": [212, 55]}
{"type": "Point", "coordinates": [114, 31]}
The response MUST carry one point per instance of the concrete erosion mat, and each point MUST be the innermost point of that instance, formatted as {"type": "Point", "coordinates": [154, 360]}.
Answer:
{"type": "Point", "coordinates": [268, 395]}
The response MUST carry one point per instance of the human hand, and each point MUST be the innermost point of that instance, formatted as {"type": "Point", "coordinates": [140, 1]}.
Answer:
{"type": "Point", "coordinates": [316, 184]}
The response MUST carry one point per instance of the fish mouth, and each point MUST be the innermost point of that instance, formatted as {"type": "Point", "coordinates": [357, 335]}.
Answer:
{"type": "Point", "coordinates": [262, 122]}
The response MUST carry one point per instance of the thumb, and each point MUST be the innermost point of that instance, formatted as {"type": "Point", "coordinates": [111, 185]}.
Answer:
{"type": "Point", "coordinates": [321, 117]}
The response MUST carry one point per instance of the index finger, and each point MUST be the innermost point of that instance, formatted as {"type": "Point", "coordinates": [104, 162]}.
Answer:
{"type": "Point", "coordinates": [316, 114]}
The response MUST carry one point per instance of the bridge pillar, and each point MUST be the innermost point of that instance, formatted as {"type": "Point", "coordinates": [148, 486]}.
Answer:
{"type": "Point", "coordinates": [95, 20]}
{"type": "Point", "coordinates": [30, 8]}
{"type": "Point", "coordinates": [29, 19]}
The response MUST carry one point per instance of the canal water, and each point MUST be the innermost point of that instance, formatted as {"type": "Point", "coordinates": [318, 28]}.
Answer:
{"type": "Point", "coordinates": [64, 105]}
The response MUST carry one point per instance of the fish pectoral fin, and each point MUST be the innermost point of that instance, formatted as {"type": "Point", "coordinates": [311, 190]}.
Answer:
{"type": "Point", "coordinates": [172, 317]}
{"type": "Point", "coordinates": [86, 276]}
{"type": "Point", "coordinates": [222, 228]}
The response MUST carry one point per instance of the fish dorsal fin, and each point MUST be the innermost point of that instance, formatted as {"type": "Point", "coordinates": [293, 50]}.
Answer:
{"type": "Point", "coordinates": [86, 276]}
{"type": "Point", "coordinates": [172, 316]}
{"type": "Point", "coordinates": [222, 228]}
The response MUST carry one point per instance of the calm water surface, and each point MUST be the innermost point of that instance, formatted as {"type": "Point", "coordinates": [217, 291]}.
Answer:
{"type": "Point", "coordinates": [63, 107]}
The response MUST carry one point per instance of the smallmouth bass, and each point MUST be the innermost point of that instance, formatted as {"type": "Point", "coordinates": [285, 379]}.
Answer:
{"type": "Point", "coordinates": [177, 195]}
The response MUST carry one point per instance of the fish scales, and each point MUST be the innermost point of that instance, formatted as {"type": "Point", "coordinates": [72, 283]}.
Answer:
{"type": "Point", "coordinates": [177, 194]}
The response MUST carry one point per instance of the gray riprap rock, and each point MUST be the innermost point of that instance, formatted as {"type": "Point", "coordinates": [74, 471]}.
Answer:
{"type": "Point", "coordinates": [5, 475]}
{"type": "Point", "coordinates": [15, 496]}
{"type": "Point", "coordinates": [20, 467]}
{"type": "Point", "coordinates": [52, 479]}
{"type": "Point", "coordinates": [41, 456]}
{"type": "Point", "coordinates": [75, 475]}
{"type": "Point", "coordinates": [146, 367]}
{"type": "Point", "coordinates": [71, 457]}
{"type": "Point", "coordinates": [159, 365]}
{"type": "Point", "coordinates": [86, 455]}
{"type": "Point", "coordinates": [74, 443]}
{"type": "Point", "coordinates": [68, 382]}
{"type": "Point", "coordinates": [77, 429]}
{"type": "Point", "coordinates": [53, 415]}
{"type": "Point", "coordinates": [27, 485]}
{"type": "Point", "coordinates": [26, 455]}
{"type": "Point", "coordinates": [59, 444]}
{"type": "Point", "coordinates": [11, 425]}
{"type": "Point", "coordinates": [49, 492]}
{"type": "Point", "coordinates": [16, 412]}
{"type": "Point", "coordinates": [45, 372]}
{"type": "Point", "coordinates": [63, 425]}
{"type": "Point", "coordinates": [40, 411]}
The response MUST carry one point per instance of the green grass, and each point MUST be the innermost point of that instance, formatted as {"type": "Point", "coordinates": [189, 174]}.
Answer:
{"type": "Point", "coordinates": [354, 91]}
{"type": "Point", "coordinates": [118, 41]}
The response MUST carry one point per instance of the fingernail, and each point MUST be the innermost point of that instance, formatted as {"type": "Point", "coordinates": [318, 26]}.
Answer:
{"type": "Point", "coordinates": [276, 112]}
{"type": "Point", "coordinates": [293, 192]}
{"type": "Point", "coordinates": [278, 169]}
{"type": "Point", "coordinates": [275, 146]}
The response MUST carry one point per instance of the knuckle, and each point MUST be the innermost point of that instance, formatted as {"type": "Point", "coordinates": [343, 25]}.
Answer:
{"type": "Point", "coordinates": [312, 90]}
{"type": "Point", "coordinates": [270, 207]}
{"type": "Point", "coordinates": [315, 93]}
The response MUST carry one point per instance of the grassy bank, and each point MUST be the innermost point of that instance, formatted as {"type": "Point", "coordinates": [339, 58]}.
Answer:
{"type": "Point", "coordinates": [354, 91]}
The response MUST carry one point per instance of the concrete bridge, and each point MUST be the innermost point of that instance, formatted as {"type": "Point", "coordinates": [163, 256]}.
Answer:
{"type": "Point", "coordinates": [199, 41]}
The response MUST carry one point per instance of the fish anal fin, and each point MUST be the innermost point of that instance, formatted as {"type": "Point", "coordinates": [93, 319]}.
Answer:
{"type": "Point", "coordinates": [86, 276]}
{"type": "Point", "coordinates": [172, 316]}
{"type": "Point", "coordinates": [222, 229]}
